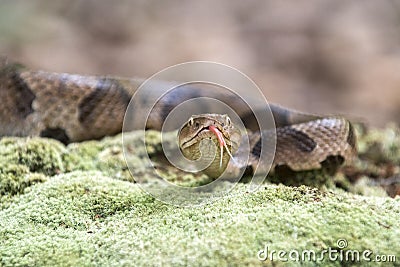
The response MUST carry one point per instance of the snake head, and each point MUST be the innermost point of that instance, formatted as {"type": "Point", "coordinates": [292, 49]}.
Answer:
{"type": "Point", "coordinates": [215, 127]}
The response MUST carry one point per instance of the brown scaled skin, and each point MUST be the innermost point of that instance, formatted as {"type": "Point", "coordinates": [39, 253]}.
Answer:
{"type": "Point", "coordinates": [197, 129]}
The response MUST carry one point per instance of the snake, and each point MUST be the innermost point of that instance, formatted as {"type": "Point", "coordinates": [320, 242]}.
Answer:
{"type": "Point", "coordinates": [75, 108]}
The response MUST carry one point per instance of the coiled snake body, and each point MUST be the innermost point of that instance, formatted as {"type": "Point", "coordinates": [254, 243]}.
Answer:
{"type": "Point", "coordinates": [74, 108]}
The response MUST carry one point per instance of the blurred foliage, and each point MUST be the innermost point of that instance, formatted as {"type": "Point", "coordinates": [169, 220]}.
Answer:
{"type": "Point", "coordinates": [321, 56]}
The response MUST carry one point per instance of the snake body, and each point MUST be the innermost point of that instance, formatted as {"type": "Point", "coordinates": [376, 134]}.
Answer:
{"type": "Point", "coordinates": [73, 108]}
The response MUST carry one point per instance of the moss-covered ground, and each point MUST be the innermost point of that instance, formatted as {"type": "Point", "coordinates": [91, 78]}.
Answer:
{"type": "Point", "coordinates": [78, 205]}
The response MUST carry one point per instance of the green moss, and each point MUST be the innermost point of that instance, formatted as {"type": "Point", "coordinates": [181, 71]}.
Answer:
{"type": "Point", "coordinates": [88, 219]}
{"type": "Point", "coordinates": [377, 164]}
{"type": "Point", "coordinates": [367, 187]}
{"type": "Point", "coordinates": [380, 145]}
{"type": "Point", "coordinates": [78, 205]}
{"type": "Point", "coordinates": [39, 155]}
{"type": "Point", "coordinates": [15, 178]}
{"type": "Point", "coordinates": [82, 156]}
{"type": "Point", "coordinates": [314, 178]}
{"type": "Point", "coordinates": [24, 162]}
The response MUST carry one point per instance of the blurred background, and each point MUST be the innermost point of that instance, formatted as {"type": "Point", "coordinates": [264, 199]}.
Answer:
{"type": "Point", "coordinates": [317, 56]}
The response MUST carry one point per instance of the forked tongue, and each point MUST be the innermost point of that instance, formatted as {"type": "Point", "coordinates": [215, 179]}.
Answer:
{"type": "Point", "coordinates": [221, 141]}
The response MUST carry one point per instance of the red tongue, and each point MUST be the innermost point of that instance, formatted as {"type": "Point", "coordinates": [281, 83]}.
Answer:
{"type": "Point", "coordinates": [221, 139]}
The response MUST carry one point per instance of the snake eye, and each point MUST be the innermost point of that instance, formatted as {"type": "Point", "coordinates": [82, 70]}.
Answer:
{"type": "Point", "coordinates": [191, 122]}
{"type": "Point", "coordinates": [228, 121]}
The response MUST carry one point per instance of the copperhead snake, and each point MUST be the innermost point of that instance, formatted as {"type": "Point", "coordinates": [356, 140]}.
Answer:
{"type": "Point", "coordinates": [73, 108]}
